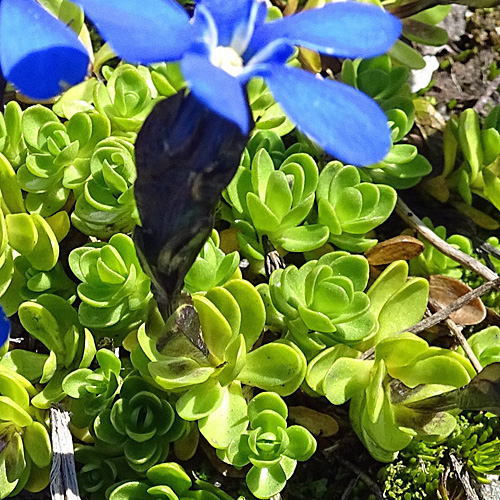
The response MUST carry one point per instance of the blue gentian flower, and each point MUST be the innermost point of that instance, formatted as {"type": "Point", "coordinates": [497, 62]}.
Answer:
{"type": "Point", "coordinates": [4, 328]}
{"type": "Point", "coordinates": [228, 42]}
{"type": "Point", "coordinates": [38, 53]}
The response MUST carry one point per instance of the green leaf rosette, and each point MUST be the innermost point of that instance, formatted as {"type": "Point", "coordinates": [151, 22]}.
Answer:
{"type": "Point", "coordinates": [350, 208]}
{"type": "Point", "coordinates": [30, 256]}
{"type": "Point", "coordinates": [274, 202]}
{"type": "Point", "coordinates": [52, 321]}
{"type": "Point", "coordinates": [127, 98]}
{"type": "Point", "coordinates": [167, 481]}
{"type": "Point", "coordinates": [99, 469]}
{"type": "Point", "coordinates": [114, 291]}
{"type": "Point", "coordinates": [93, 390]}
{"type": "Point", "coordinates": [405, 369]}
{"type": "Point", "coordinates": [403, 167]}
{"type": "Point", "coordinates": [12, 144]}
{"type": "Point", "coordinates": [269, 445]}
{"type": "Point", "coordinates": [470, 170]}
{"type": "Point", "coordinates": [324, 302]}
{"type": "Point", "coordinates": [106, 203]}
{"type": "Point", "coordinates": [212, 267]}
{"type": "Point", "coordinates": [141, 423]}
{"type": "Point", "coordinates": [58, 156]}
{"type": "Point", "coordinates": [26, 452]}
{"type": "Point", "coordinates": [228, 320]}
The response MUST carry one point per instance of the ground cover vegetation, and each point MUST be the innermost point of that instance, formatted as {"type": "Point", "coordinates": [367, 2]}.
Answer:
{"type": "Point", "coordinates": [211, 263]}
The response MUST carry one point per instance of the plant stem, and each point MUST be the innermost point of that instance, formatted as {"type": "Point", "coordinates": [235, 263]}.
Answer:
{"type": "Point", "coordinates": [429, 235]}
{"type": "Point", "coordinates": [443, 313]}
{"type": "Point", "coordinates": [459, 336]}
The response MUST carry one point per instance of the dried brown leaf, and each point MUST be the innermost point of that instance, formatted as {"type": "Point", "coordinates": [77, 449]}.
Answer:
{"type": "Point", "coordinates": [402, 247]}
{"type": "Point", "coordinates": [445, 290]}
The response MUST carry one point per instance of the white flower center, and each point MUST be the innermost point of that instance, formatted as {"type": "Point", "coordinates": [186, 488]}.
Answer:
{"type": "Point", "coordinates": [227, 59]}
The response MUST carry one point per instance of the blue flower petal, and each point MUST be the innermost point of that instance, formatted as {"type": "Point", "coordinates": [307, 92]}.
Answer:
{"type": "Point", "coordinates": [342, 120]}
{"type": "Point", "coordinates": [4, 327]}
{"type": "Point", "coordinates": [235, 20]}
{"type": "Point", "coordinates": [276, 53]}
{"type": "Point", "coordinates": [344, 29]}
{"type": "Point", "coordinates": [217, 89]}
{"type": "Point", "coordinates": [38, 53]}
{"type": "Point", "coordinates": [142, 31]}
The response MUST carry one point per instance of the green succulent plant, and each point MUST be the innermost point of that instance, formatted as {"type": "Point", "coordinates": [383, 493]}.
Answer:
{"type": "Point", "coordinates": [100, 470]}
{"type": "Point", "coordinates": [58, 156]}
{"type": "Point", "coordinates": [53, 321]}
{"type": "Point", "coordinates": [141, 423]}
{"type": "Point", "coordinates": [93, 390]}
{"type": "Point", "coordinates": [12, 144]}
{"type": "Point", "coordinates": [114, 291]}
{"type": "Point", "coordinates": [106, 204]}
{"type": "Point", "coordinates": [228, 321]}
{"type": "Point", "coordinates": [403, 167]}
{"type": "Point", "coordinates": [485, 459]}
{"type": "Point", "coordinates": [350, 208]}
{"type": "Point", "coordinates": [167, 78]}
{"type": "Point", "coordinates": [416, 472]}
{"type": "Point", "coordinates": [327, 297]}
{"type": "Point", "coordinates": [378, 78]}
{"type": "Point", "coordinates": [397, 301]}
{"type": "Point", "coordinates": [167, 481]}
{"type": "Point", "coordinates": [275, 202]}
{"type": "Point", "coordinates": [30, 253]}
{"type": "Point", "coordinates": [268, 140]}
{"type": "Point", "coordinates": [432, 261]}
{"type": "Point", "coordinates": [405, 369]}
{"type": "Point", "coordinates": [470, 165]}
{"type": "Point", "coordinates": [485, 345]}
{"type": "Point", "coordinates": [269, 445]}
{"type": "Point", "coordinates": [26, 452]}
{"type": "Point", "coordinates": [127, 98]}
{"type": "Point", "coordinates": [266, 112]}
{"type": "Point", "coordinates": [212, 267]}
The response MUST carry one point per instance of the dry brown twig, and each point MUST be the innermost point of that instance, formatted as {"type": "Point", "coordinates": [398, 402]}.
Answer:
{"type": "Point", "coordinates": [442, 314]}
{"type": "Point", "coordinates": [493, 281]}
{"type": "Point", "coordinates": [429, 235]}
{"type": "Point", "coordinates": [459, 336]}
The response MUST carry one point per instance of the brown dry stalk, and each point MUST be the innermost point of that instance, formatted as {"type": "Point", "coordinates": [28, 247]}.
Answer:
{"type": "Point", "coordinates": [442, 314]}
{"type": "Point", "coordinates": [429, 235]}
{"type": "Point", "coordinates": [459, 336]}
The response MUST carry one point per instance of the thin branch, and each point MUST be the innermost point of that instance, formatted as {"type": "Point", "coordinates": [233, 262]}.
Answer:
{"type": "Point", "coordinates": [369, 482]}
{"type": "Point", "coordinates": [442, 314]}
{"type": "Point", "coordinates": [429, 235]}
{"type": "Point", "coordinates": [459, 336]}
